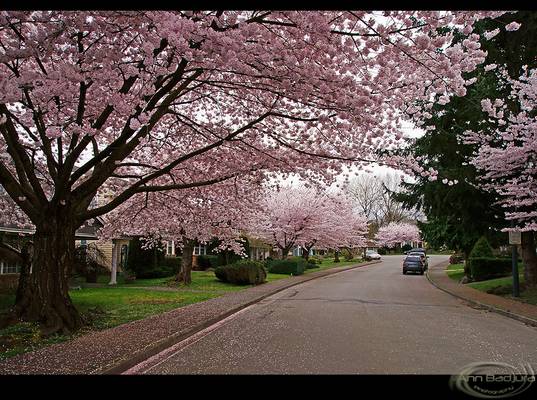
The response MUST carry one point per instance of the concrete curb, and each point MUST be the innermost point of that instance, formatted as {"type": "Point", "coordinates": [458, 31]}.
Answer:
{"type": "Point", "coordinates": [154, 348]}
{"type": "Point", "coordinates": [518, 317]}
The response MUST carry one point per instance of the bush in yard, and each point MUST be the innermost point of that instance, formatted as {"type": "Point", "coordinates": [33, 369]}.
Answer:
{"type": "Point", "coordinates": [145, 263]}
{"type": "Point", "coordinates": [168, 266]}
{"type": "Point", "coordinates": [227, 257]}
{"type": "Point", "coordinates": [456, 258]}
{"type": "Point", "coordinates": [481, 248]}
{"type": "Point", "coordinates": [172, 264]}
{"type": "Point", "coordinates": [310, 265]}
{"type": "Point", "coordinates": [484, 268]}
{"type": "Point", "coordinates": [347, 255]}
{"type": "Point", "coordinates": [288, 266]}
{"type": "Point", "coordinates": [406, 247]}
{"type": "Point", "coordinates": [208, 261]}
{"type": "Point", "coordinates": [315, 260]}
{"type": "Point", "coordinates": [244, 272]}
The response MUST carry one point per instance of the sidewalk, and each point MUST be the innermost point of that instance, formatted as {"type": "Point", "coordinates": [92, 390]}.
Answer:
{"type": "Point", "coordinates": [518, 310]}
{"type": "Point", "coordinates": [117, 349]}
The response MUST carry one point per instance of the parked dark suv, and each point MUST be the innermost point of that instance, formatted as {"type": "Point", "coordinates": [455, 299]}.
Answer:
{"type": "Point", "coordinates": [422, 255]}
{"type": "Point", "coordinates": [414, 264]}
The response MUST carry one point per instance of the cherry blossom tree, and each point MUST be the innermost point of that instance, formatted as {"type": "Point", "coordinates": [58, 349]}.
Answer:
{"type": "Point", "coordinates": [299, 216]}
{"type": "Point", "coordinates": [196, 215]}
{"type": "Point", "coordinates": [136, 102]}
{"type": "Point", "coordinates": [507, 158]}
{"type": "Point", "coordinates": [397, 232]}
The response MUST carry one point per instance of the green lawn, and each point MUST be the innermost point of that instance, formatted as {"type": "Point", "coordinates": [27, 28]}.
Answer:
{"type": "Point", "coordinates": [500, 286]}
{"type": "Point", "coordinates": [109, 306]}
{"type": "Point", "coordinates": [455, 271]}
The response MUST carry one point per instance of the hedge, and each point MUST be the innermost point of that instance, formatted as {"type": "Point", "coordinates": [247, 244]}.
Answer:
{"type": "Point", "coordinates": [310, 264]}
{"type": "Point", "coordinates": [208, 261]}
{"type": "Point", "coordinates": [294, 266]}
{"type": "Point", "coordinates": [483, 268]}
{"type": "Point", "coordinates": [146, 263]}
{"type": "Point", "coordinates": [244, 272]}
{"type": "Point", "coordinates": [172, 262]}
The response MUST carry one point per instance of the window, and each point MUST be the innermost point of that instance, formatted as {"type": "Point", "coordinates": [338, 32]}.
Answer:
{"type": "Point", "coordinates": [9, 268]}
{"type": "Point", "coordinates": [169, 248]}
{"type": "Point", "coordinates": [200, 250]}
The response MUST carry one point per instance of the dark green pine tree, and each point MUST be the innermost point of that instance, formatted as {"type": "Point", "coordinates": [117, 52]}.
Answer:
{"type": "Point", "coordinates": [458, 215]}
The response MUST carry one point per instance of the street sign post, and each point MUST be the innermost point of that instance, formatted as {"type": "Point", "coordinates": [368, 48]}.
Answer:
{"type": "Point", "coordinates": [514, 240]}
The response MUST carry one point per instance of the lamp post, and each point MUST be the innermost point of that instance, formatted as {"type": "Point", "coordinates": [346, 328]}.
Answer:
{"type": "Point", "coordinates": [514, 240]}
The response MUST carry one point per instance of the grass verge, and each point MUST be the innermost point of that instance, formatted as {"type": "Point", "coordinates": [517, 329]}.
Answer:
{"type": "Point", "coordinates": [108, 306]}
{"type": "Point", "coordinates": [499, 286]}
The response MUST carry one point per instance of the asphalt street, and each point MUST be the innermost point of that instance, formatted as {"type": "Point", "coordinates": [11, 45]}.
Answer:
{"type": "Point", "coordinates": [370, 320]}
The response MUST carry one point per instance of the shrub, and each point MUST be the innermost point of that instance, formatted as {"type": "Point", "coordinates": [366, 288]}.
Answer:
{"type": "Point", "coordinates": [315, 260]}
{"type": "Point", "coordinates": [382, 251]}
{"type": "Point", "coordinates": [456, 258]}
{"type": "Point", "coordinates": [483, 268]}
{"type": "Point", "coordinates": [154, 272]}
{"type": "Point", "coordinates": [289, 266]}
{"type": "Point", "coordinates": [172, 264]}
{"type": "Point", "coordinates": [208, 261]}
{"type": "Point", "coordinates": [244, 272]}
{"type": "Point", "coordinates": [168, 266]}
{"type": "Point", "coordinates": [145, 263]}
{"type": "Point", "coordinates": [481, 248]}
{"type": "Point", "coordinates": [347, 255]}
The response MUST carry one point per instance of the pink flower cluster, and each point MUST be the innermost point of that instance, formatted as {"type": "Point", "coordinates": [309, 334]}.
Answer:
{"type": "Point", "coordinates": [298, 216]}
{"type": "Point", "coordinates": [507, 154]}
{"type": "Point", "coordinates": [397, 232]}
{"type": "Point", "coordinates": [136, 102]}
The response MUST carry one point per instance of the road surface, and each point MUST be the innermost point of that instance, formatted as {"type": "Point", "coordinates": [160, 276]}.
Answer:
{"type": "Point", "coordinates": [370, 320]}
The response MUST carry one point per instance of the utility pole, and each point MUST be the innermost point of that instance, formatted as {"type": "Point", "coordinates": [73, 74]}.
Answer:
{"type": "Point", "coordinates": [514, 240]}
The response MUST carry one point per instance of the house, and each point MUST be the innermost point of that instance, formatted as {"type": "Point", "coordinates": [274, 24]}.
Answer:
{"type": "Point", "coordinates": [259, 250]}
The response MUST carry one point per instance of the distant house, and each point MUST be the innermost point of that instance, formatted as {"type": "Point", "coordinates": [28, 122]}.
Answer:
{"type": "Point", "coordinates": [259, 250]}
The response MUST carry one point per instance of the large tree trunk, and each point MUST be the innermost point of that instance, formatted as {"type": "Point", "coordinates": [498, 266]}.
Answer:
{"type": "Point", "coordinates": [307, 248]}
{"type": "Point", "coordinates": [185, 275]}
{"type": "Point", "coordinates": [285, 252]}
{"type": "Point", "coordinates": [43, 292]}
{"type": "Point", "coordinates": [336, 256]}
{"type": "Point", "coordinates": [529, 257]}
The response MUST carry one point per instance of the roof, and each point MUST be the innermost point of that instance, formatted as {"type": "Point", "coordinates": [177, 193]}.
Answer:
{"type": "Point", "coordinates": [85, 232]}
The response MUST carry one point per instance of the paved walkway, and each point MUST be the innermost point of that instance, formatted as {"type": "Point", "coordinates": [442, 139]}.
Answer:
{"type": "Point", "coordinates": [118, 349]}
{"type": "Point", "coordinates": [512, 308]}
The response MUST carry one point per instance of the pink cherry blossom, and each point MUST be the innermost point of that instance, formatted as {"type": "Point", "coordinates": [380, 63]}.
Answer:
{"type": "Point", "coordinates": [513, 26]}
{"type": "Point", "coordinates": [509, 165]}
{"type": "Point", "coordinates": [395, 233]}
{"type": "Point", "coordinates": [297, 216]}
